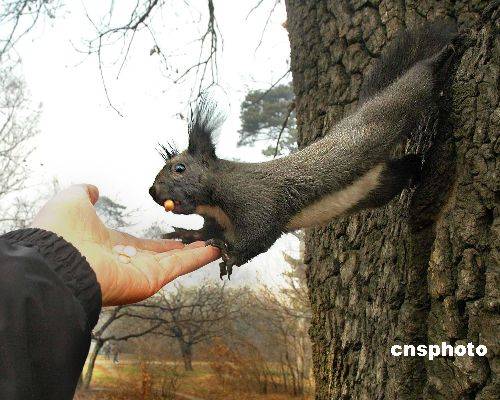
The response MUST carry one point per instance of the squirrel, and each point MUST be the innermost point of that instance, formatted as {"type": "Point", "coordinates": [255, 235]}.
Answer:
{"type": "Point", "coordinates": [247, 206]}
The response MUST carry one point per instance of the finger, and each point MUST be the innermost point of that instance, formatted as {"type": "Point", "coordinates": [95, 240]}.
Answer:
{"type": "Point", "coordinates": [78, 193]}
{"type": "Point", "coordinates": [72, 204]}
{"type": "Point", "coordinates": [186, 261]}
{"type": "Point", "coordinates": [195, 245]}
{"type": "Point", "coordinates": [157, 255]}
{"type": "Point", "coordinates": [92, 192]}
{"type": "Point", "coordinates": [156, 245]}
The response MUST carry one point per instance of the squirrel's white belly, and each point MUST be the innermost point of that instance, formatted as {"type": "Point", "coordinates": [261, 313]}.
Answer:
{"type": "Point", "coordinates": [334, 204]}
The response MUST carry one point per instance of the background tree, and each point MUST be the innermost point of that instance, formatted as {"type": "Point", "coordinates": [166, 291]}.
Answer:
{"type": "Point", "coordinates": [285, 318]}
{"type": "Point", "coordinates": [281, 326]}
{"type": "Point", "coordinates": [423, 269]}
{"type": "Point", "coordinates": [109, 330]}
{"type": "Point", "coordinates": [155, 231]}
{"type": "Point", "coordinates": [193, 315]}
{"type": "Point", "coordinates": [268, 115]}
{"type": "Point", "coordinates": [113, 214]}
{"type": "Point", "coordinates": [268, 348]}
{"type": "Point", "coordinates": [18, 125]}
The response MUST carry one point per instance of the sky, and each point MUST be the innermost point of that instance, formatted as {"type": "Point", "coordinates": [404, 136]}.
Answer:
{"type": "Point", "coordinates": [83, 139]}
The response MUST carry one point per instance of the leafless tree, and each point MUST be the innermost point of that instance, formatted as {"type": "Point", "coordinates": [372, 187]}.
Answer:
{"type": "Point", "coordinates": [277, 323]}
{"type": "Point", "coordinates": [268, 349]}
{"type": "Point", "coordinates": [18, 214]}
{"type": "Point", "coordinates": [284, 325]}
{"type": "Point", "coordinates": [259, 4]}
{"type": "Point", "coordinates": [19, 17]}
{"type": "Point", "coordinates": [107, 331]}
{"type": "Point", "coordinates": [18, 125]}
{"type": "Point", "coordinates": [113, 214]}
{"type": "Point", "coordinates": [192, 315]}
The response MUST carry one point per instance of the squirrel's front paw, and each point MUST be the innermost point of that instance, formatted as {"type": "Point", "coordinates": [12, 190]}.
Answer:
{"type": "Point", "coordinates": [230, 256]}
{"type": "Point", "coordinates": [226, 266]}
{"type": "Point", "coordinates": [185, 235]}
{"type": "Point", "coordinates": [220, 244]}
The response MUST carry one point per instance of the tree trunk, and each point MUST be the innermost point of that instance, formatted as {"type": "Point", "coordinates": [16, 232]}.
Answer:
{"type": "Point", "coordinates": [91, 363]}
{"type": "Point", "coordinates": [187, 355]}
{"type": "Point", "coordinates": [423, 269]}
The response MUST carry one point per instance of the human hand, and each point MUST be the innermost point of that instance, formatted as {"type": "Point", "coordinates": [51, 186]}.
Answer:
{"type": "Point", "coordinates": [71, 214]}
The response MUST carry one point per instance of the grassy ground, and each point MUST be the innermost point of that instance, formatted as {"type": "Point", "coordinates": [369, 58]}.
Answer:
{"type": "Point", "coordinates": [125, 381]}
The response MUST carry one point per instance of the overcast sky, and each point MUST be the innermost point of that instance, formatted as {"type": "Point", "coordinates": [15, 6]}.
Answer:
{"type": "Point", "coordinates": [82, 139]}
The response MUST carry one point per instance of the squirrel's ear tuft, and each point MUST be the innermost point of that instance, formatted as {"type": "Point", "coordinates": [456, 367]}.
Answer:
{"type": "Point", "coordinates": [205, 120]}
{"type": "Point", "coordinates": [167, 151]}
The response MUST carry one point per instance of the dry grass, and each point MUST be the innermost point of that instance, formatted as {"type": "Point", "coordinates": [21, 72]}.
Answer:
{"type": "Point", "coordinates": [125, 381]}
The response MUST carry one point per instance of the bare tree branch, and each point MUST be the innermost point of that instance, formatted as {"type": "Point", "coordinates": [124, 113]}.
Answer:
{"type": "Point", "coordinates": [259, 3]}
{"type": "Point", "coordinates": [18, 17]}
{"type": "Point", "coordinates": [210, 59]}
{"type": "Point", "coordinates": [291, 107]}
{"type": "Point", "coordinates": [271, 12]}
{"type": "Point", "coordinates": [204, 71]}
{"type": "Point", "coordinates": [137, 21]}
{"type": "Point", "coordinates": [272, 86]}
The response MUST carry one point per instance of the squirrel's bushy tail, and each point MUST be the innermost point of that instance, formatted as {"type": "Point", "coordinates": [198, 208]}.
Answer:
{"type": "Point", "coordinates": [408, 48]}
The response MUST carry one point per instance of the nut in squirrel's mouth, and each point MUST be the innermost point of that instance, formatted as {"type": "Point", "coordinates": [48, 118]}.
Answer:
{"type": "Point", "coordinates": [172, 205]}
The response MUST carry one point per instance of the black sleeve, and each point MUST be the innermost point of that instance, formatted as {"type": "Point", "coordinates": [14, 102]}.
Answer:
{"type": "Point", "coordinates": [49, 303]}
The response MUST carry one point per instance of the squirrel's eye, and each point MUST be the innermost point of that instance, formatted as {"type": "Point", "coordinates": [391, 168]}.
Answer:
{"type": "Point", "coordinates": [179, 168]}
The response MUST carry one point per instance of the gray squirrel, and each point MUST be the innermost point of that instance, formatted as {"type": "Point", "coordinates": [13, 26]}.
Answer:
{"type": "Point", "coordinates": [247, 206]}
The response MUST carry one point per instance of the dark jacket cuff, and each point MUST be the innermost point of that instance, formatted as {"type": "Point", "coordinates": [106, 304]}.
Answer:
{"type": "Point", "coordinates": [68, 263]}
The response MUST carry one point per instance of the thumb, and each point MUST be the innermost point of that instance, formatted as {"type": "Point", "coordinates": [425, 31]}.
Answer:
{"type": "Point", "coordinates": [81, 191]}
{"type": "Point", "coordinates": [77, 193]}
{"type": "Point", "coordinates": [71, 207]}
{"type": "Point", "coordinates": [93, 192]}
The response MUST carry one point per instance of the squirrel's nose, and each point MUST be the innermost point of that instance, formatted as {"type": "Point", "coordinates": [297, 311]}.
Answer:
{"type": "Point", "coordinates": [152, 192]}
{"type": "Point", "coordinates": [157, 194]}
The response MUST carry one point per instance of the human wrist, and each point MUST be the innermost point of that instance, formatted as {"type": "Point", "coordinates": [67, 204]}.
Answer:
{"type": "Point", "coordinates": [67, 262]}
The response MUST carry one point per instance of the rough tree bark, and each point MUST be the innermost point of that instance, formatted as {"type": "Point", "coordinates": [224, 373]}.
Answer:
{"type": "Point", "coordinates": [425, 268]}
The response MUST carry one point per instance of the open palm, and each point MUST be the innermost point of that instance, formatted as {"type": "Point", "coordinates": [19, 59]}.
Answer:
{"type": "Point", "coordinates": [71, 214]}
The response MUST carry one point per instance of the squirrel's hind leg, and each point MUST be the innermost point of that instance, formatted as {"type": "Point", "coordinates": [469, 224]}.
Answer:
{"type": "Point", "coordinates": [396, 176]}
